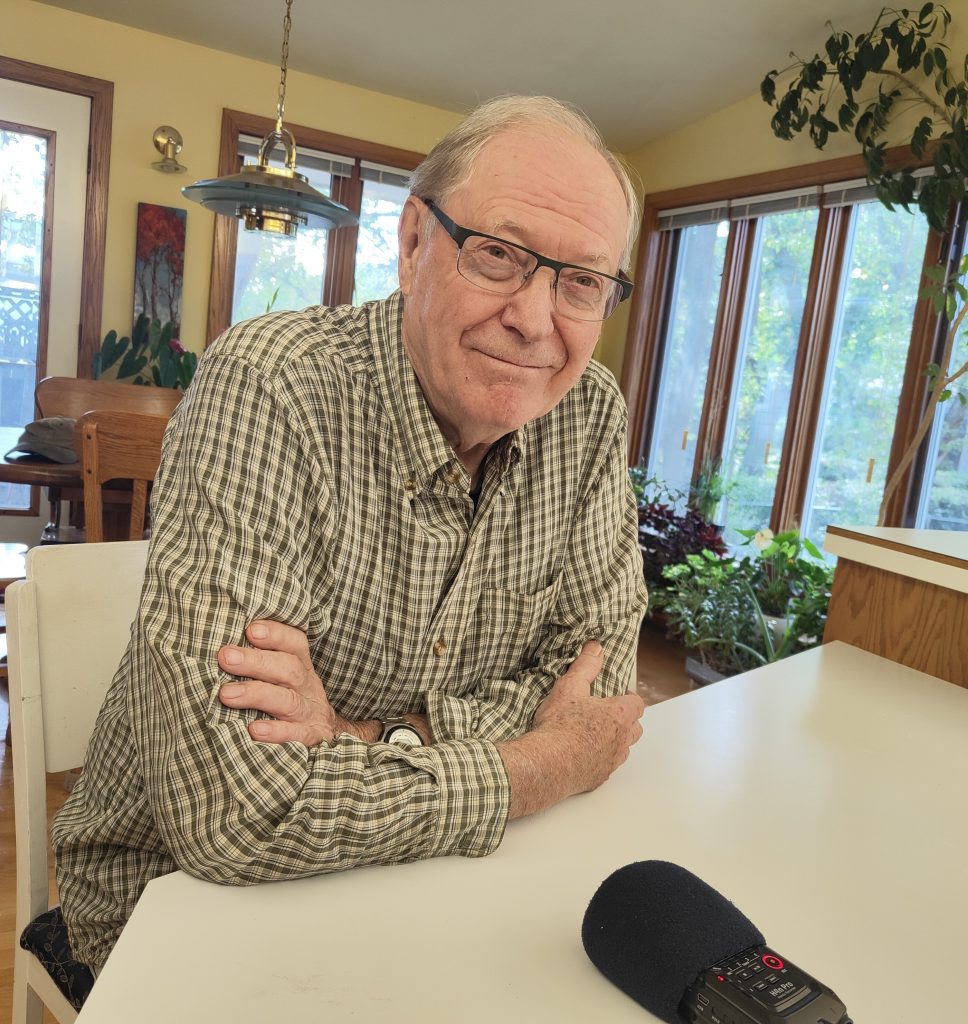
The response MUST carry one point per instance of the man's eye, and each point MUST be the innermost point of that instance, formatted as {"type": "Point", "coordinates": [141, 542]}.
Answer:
{"type": "Point", "coordinates": [590, 283]}
{"type": "Point", "coordinates": [498, 253]}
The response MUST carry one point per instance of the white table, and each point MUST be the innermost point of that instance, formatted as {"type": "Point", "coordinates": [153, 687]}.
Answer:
{"type": "Point", "coordinates": [825, 795]}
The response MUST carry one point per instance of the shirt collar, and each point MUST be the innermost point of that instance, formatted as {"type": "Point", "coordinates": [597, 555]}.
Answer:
{"type": "Point", "coordinates": [424, 446]}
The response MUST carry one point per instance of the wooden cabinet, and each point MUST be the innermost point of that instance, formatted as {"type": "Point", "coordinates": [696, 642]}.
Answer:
{"type": "Point", "coordinates": [902, 594]}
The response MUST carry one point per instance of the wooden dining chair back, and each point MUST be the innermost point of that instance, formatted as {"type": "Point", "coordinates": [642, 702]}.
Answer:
{"type": "Point", "coordinates": [117, 445]}
{"type": "Point", "coordinates": [74, 396]}
{"type": "Point", "coordinates": [69, 622]}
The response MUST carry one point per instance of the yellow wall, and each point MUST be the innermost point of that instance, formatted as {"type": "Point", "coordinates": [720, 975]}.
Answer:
{"type": "Point", "coordinates": [157, 81]}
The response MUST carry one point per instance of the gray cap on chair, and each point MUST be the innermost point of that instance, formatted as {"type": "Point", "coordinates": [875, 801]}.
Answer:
{"type": "Point", "coordinates": [53, 438]}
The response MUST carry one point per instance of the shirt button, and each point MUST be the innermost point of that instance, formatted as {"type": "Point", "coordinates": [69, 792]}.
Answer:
{"type": "Point", "coordinates": [411, 485]}
{"type": "Point", "coordinates": [454, 477]}
{"type": "Point", "coordinates": [439, 648]}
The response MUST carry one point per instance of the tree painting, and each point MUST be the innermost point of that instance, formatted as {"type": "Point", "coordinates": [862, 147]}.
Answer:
{"type": "Point", "coordinates": [159, 263]}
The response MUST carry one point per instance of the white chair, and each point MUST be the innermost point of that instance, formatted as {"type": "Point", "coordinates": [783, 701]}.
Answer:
{"type": "Point", "coordinates": [68, 624]}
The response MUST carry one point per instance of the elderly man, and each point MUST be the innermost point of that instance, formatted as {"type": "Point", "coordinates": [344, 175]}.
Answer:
{"type": "Point", "coordinates": [417, 514]}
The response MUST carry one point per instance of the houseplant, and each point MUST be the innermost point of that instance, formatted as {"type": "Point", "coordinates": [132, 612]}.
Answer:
{"type": "Point", "coordinates": [669, 527]}
{"type": "Point", "coordinates": [708, 489]}
{"type": "Point", "coordinates": [743, 612]}
{"type": "Point", "coordinates": [152, 355]}
{"type": "Point", "coordinates": [903, 55]}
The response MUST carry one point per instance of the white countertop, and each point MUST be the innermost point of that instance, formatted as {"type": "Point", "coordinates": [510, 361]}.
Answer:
{"type": "Point", "coordinates": [824, 795]}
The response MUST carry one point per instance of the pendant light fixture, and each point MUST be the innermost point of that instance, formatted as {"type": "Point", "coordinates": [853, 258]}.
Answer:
{"type": "Point", "coordinates": [275, 199]}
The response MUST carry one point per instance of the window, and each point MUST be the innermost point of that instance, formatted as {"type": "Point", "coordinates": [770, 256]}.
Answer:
{"type": "Point", "coordinates": [254, 272]}
{"type": "Point", "coordinates": [26, 174]}
{"type": "Point", "coordinates": [807, 356]}
{"type": "Point", "coordinates": [943, 498]}
{"type": "Point", "coordinates": [756, 425]}
{"type": "Point", "coordinates": [699, 267]}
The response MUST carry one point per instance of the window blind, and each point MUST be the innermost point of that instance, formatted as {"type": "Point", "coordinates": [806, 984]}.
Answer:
{"type": "Point", "coordinates": [384, 175]}
{"type": "Point", "coordinates": [843, 193]}
{"type": "Point", "coordinates": [306, 159]}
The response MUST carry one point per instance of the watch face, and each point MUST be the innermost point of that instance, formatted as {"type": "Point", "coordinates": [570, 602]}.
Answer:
{"type": "Point", "coordinates": [404, 736]}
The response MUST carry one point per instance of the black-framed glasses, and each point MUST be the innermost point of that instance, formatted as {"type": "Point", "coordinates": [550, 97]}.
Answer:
{"type": "Point", "coordinates": [497, 265]}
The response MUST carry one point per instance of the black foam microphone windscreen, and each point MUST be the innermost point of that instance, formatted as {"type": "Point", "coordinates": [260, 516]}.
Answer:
{"type": "Point", "coordinates": [653, 927]}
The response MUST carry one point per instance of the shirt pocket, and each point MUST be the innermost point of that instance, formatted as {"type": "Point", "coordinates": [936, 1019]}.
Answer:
{"type": "Point", "coordinates": [507, 629]}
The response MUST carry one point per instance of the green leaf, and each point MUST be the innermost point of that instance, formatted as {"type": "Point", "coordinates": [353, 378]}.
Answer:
{"type": "Point", "coordinates": [768, 88]}
{"type": "Point", "coordinates": [963, 398]}
{"type": "Point", "coordinates": [945, 395]}
{"type": "Point", "coordinates": [131, 365]}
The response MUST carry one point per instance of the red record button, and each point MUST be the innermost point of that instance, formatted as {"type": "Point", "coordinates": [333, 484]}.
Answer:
{"type": "Point", "coordinates": [773, 962]}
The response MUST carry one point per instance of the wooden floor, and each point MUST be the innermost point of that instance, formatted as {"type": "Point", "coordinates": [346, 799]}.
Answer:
{"type": "Point", "coordinates": [660, 673]}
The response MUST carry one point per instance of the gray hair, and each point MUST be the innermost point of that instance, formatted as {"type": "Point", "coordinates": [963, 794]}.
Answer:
{"type": "Point", "coordinates": [449, 163]}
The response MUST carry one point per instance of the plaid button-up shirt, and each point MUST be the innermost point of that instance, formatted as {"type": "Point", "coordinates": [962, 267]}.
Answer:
{"type": "Point", "coordinates": [305, 480]}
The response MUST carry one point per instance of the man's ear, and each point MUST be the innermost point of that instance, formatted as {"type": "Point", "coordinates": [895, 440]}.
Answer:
{"type": "Point", "coordinates": [410, 237]}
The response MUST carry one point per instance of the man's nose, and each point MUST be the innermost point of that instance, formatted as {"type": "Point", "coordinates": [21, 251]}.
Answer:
{"type": "Point", "coordinates": [529, 310]}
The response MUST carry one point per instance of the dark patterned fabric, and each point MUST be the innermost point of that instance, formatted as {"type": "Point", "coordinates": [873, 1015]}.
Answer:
{"type": "Point", "coordinates": [46, 938]}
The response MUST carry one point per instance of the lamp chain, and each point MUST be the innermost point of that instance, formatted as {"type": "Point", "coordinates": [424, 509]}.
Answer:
{"type": "Point", "coordinates": [281, 105]}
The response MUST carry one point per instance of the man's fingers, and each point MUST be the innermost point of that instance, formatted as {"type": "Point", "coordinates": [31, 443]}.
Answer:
{"type": "Point", "coordinates": [251, 694]}
{"type": "Point", "coordinates": [277, 636]}
{"type": "Point", "coordinates": [265, 731]}
{"type": "Point", "coordinates": [271, 666]}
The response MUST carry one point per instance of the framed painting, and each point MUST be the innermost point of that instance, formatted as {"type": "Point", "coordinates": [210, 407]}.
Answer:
{"type": "Point", "coordinates": [159, 266]}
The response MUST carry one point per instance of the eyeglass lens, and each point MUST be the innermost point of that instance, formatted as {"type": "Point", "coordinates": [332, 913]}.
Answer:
{"type": "Point", "coordinates": [502, 267]}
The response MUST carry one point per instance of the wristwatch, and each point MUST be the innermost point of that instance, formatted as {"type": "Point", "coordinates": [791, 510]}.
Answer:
{"type": "Point", "coordinates": [400, 732]}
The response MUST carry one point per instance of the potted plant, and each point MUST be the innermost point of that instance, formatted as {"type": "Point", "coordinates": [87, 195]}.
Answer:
{"type": "Point", "coordinates": [152, 355]}
{"type": "Point", "coordinates": [736, 614]}
{"type": "Point", "coordinates": [709, 489]}
{"type": "Point", "coordinates": [669, 527]}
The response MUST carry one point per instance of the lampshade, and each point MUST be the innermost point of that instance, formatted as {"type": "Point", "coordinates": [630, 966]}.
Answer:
{"type": "Point", "coordinates": [274, 199]}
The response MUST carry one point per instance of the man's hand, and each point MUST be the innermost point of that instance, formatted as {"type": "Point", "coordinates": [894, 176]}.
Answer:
{"type": "Point", "coordinates": [577, 740]}
{"type": "Point", "coordinates": [278, 678]}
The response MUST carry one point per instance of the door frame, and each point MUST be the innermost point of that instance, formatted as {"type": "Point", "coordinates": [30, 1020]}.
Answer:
{"type": "Point", "coordinates": [101, 95]}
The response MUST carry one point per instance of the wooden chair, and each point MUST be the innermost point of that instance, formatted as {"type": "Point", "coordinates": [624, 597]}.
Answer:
{"type": "Point", "coordinates": [74, 396]}
{"type": "Point", "coordinates": [64, 651]}
{"type": "Point", "coordinates": [118, 445]}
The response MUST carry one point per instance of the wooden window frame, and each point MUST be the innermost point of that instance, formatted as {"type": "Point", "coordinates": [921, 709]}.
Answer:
{"type": "Point", "coordinates": [101, 95]}
{"type": "Point", "coordinates": [649, 315]}
{"type": "Point", "coordinates": [341, 258]}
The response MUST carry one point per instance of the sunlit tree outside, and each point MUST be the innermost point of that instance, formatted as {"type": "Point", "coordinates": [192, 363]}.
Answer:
{"type": "Point", "coordinates": [868, 355]}
{"type": "Point", "coordinates": [768, 348]}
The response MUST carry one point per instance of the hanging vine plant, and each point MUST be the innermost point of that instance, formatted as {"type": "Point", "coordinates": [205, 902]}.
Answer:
{"type": "Point", "coordinates": [903, 56]}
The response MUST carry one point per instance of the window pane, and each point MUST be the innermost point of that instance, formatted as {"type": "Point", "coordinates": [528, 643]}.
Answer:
{"type": "Point", "coordinates": [779, 274]}
{"type": "Point", "coordinates": [23, 176]}
{"type": "Point", "coordinates": [275, 272]}
{"type": "Point", "coordinates": [685, 361]}
{"type": "Point", "coordinates": [376, 247]}
{"type": "Point", "coordinates": [944, 495]}
{"type": "Point", "coordinates": [868, 352]}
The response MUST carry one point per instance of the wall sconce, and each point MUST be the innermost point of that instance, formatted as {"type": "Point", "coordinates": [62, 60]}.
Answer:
{"type": "Point", "coordinates": [168, 142]}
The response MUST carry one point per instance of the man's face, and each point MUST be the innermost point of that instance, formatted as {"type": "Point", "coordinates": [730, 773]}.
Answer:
{"type": "Point", "coordinates": [490, 363]}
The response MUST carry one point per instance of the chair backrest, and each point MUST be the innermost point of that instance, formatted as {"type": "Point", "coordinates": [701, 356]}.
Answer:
{"type": "Point", "coordinates": [68, 624]}
{"type": "Point", "coordinates": [117, 445]}
{"type": "Point", "coordinates": [74, 396]}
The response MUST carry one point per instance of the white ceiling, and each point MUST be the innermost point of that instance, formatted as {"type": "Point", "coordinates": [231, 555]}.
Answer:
{"type": "Point", "coordinates": [638, 67]}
